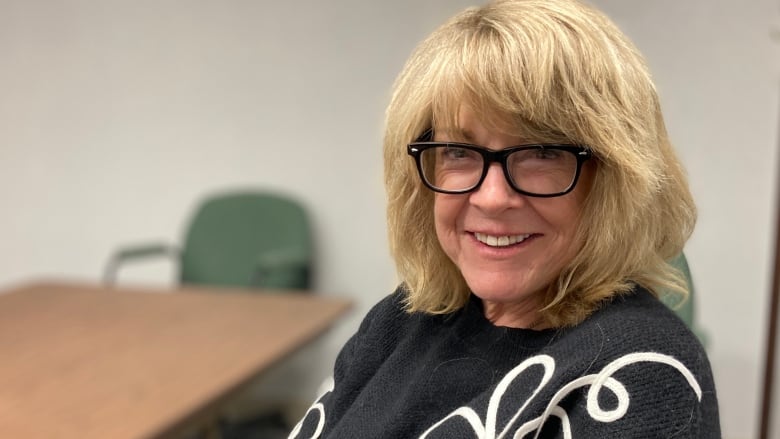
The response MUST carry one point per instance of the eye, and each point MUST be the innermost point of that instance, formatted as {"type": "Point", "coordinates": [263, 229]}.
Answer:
{"type": "Point", "coordinates": [455, 153]}
{"type": "Point", "coordinates": [547, 154]}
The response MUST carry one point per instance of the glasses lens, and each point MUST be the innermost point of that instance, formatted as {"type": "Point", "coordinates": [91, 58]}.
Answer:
{"type": "Point", "coordinates": [451, 168]}
{"type": "Point", "coordinates": [542, 171]}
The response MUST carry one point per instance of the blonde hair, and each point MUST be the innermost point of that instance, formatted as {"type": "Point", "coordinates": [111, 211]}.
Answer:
{"type": "Point", "coordinates": [555, 70]}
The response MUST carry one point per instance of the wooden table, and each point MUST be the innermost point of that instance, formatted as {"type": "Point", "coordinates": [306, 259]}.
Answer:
{"type": "Point", "coordinates": [84, 361]}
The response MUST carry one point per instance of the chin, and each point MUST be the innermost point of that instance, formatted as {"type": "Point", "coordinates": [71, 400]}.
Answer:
{"type": "Point", "coordinates": [501, 292]}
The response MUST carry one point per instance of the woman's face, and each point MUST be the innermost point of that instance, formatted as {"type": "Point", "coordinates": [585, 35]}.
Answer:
{"type": "Point", "coordinates": [468, 226]}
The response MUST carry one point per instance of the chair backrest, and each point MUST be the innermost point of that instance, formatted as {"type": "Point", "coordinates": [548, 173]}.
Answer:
{"type": "Point", "coordinates": [685, 309]}
{"type": "Point", "coordinates": [230, 233]}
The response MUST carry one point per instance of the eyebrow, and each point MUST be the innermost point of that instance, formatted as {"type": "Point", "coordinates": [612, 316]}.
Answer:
{"type": "Point", "coordinates": [467, 135]}
{"type": "Point", "coordinates": [458, 134]}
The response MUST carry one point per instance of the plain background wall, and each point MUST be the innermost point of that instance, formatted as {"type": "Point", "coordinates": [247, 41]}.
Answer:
{"type": "Point", "coordinates": [117, 116]}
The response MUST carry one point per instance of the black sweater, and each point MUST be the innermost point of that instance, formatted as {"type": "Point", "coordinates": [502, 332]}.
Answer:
{"type": "Point", "coordinates": [631, 370]}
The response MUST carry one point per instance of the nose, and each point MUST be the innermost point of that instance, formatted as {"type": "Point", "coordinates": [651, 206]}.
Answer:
{"type": "Point", "coordinates": [495, 194]}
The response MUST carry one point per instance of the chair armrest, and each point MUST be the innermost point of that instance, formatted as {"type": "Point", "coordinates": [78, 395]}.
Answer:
{"type": "Point", "coordinates": [135, 253]}
{"type": "Point", "coordinates": [282, 268]}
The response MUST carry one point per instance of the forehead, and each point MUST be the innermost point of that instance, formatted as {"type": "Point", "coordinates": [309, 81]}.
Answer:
{"type": "Point", "coordinates": [468, 125]}
{"type": "Point", "coordinates": [464, 122]}
{"type": "Point", "coordinates": [462, 116]}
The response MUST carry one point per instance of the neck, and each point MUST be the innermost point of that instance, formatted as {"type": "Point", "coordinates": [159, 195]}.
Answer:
{"type": "Point", "coordinates": [523, 314]}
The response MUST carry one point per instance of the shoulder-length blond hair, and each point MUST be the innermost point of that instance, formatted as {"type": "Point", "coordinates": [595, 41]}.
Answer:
{"type": "Point", "coordinates": [553, 70]}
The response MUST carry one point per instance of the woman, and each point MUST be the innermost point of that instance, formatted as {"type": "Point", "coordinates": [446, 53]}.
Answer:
{"type": "Point", "coordinates": [534, 199]}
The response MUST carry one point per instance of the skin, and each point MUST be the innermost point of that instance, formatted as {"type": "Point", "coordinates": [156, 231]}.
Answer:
{"type": "Point", "coordinates": [511, 279]}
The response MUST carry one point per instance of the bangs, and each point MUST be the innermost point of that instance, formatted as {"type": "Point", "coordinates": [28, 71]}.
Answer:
{"type": "Point", "coordinates": [486, 68]}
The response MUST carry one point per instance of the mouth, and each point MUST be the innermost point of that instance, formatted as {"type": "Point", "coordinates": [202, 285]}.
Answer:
{"type": "Point", "coordinates": [501, 241]}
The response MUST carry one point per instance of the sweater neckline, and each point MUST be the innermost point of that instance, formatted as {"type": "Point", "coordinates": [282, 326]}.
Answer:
{"type": "Point", "coordinates": [477, 328]}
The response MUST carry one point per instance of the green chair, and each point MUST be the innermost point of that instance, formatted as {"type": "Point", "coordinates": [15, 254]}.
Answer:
{"type": "Point", "coordinates": [685, 309]}
{"type": "Point", "coordinates": [242, 239]}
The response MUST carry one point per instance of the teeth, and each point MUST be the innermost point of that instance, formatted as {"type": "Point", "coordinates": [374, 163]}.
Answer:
{"type": "Point", "coordinates": [500, 241]}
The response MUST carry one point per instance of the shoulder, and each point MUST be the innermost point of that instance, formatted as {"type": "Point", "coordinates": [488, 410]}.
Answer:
{"type": "Point", "coordinates": [389, 307]}
{"type": "Point", "coordinates": [386, 316]}
{"type": "Point", "coordinates": [639, 321]}
{"type": "Point", "coordinates": [657, 368]}
{"type": "Point", "coordinates": [382, 328]}
{"type": "Point", "coordinates": [636, 326]}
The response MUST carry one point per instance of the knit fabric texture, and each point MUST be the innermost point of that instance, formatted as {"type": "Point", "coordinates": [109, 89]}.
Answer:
{"type": "Point", "coordinates": [631, 370]}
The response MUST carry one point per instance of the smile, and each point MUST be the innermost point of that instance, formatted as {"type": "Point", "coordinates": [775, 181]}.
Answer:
{"type": "Point", "coordinates": [500, 241]}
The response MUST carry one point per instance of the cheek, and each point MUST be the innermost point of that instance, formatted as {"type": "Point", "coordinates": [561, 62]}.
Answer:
{"type": "Point", "coordinates": [446, 209]}
{"type": "Point", "coordinates": [562, 218]}
{"type": "Point", "coordinates": [567, 224]}
{"type": "Point", "coordinates": [567, 214]}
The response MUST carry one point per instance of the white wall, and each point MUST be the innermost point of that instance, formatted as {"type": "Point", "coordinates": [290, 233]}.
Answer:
{"type": "Point", "coordinates": [116, 116]}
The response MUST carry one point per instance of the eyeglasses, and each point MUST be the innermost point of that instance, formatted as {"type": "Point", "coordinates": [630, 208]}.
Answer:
{"type": "Point", "coordinates": [536, 170]}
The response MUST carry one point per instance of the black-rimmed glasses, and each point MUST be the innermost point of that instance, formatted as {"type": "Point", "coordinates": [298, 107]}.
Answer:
{"type": "Point", "coordinates": [537, 170]}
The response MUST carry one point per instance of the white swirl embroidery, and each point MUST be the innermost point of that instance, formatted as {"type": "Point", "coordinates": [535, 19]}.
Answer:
{"type": "Point", "coordinates": [489, 429]}
{"type": "Point", "coordinates": [319, 407]}
{"type": "Point", "coordinates": [596, 381]}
